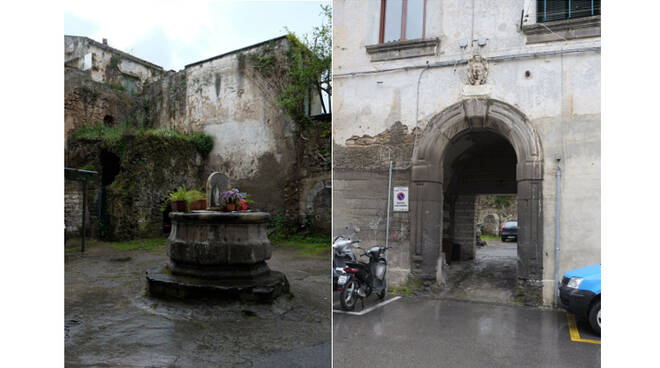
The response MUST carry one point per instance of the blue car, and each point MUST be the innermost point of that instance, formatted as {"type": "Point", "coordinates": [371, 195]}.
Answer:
{"type": "Point", "coordinates": [579, 293]}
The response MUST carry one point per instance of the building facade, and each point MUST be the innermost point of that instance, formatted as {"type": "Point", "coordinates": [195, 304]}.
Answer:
{"type": "Point", "coordinates": [468, 98]}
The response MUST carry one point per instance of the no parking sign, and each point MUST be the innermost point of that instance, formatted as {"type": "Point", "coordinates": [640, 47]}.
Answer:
{"type": "Point", "coordinates": [400, 199]}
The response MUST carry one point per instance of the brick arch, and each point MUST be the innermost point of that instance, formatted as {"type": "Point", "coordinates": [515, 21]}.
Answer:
{"type": "Point", "coordinates": [471, 115]}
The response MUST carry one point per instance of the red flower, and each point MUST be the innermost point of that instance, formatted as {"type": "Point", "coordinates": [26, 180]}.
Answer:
{"type": "Point", "coordinates": [243, 205]}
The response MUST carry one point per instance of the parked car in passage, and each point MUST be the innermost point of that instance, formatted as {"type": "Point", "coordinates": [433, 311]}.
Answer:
{"type": "Point", "coordinates": [509, 231]}
{"type": "Point", "coordinates": [579, 293]}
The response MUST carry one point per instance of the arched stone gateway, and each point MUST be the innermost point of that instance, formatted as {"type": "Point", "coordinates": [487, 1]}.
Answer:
{"type": "Point", "coordinates": [427, 175]}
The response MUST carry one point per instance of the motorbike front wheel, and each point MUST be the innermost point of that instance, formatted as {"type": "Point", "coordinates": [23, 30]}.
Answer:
{"type": "Point", "coordinates": [348, 296]}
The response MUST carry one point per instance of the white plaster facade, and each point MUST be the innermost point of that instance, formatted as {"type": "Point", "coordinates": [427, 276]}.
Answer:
{"type": "Point", "coordinates": [558, 91]}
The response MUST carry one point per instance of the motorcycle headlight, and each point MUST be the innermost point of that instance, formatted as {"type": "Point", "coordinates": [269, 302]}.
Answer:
{"type": "Point", "coordinates": [574, 282]}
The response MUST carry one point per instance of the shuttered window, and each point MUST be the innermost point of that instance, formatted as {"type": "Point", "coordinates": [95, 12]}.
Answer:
{"type": "Point", "coordinates": [550, 10]}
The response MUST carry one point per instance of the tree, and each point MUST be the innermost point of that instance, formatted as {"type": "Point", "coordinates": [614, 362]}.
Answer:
{"type": "Point", "coordinates": [312, 64]}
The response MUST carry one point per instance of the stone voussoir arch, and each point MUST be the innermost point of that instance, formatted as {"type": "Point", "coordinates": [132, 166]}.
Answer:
{"type": "Point", "coordinates": [471, 115]}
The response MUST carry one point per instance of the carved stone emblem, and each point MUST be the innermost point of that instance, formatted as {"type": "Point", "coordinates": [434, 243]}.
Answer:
{"type": "Point", "coordinates": [477, 69]}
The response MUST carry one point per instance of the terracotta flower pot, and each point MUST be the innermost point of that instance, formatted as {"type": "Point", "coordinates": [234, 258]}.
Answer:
{"type": "Point", "coordinates": [178, 205]}
{"type": "Point", "coordinates": [230, 207]}
{"type": "Point", "coordinates": [198, 205]}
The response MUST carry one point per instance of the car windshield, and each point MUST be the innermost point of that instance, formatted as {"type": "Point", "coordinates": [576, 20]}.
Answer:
{"type": "Point", "coordinates": [511, 225]}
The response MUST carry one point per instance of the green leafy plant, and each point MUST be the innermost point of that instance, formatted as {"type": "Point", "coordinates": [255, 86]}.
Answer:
{"type": "Point", "coordinates": [194, 195]}
{"type": "Point", "coordinates": [116, 86]}
{"type": "Point", "coordinates": [181, 193]}
{"type": "Point", "coordinates": [500, 202]}
{"type": "Point", "coordinates": [306, 73]}
{"type": "Point", "coordinates": [203, 142]}
{"type": "Point", "coordinates": [114, 62]}
{"type": "Point", "coordinates": [111, 134]}
{"type": "Point", "coordinates": [281, 228]}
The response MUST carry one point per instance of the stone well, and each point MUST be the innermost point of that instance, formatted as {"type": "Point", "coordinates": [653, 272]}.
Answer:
{"type": "Point", "coordinates": [218, 255]}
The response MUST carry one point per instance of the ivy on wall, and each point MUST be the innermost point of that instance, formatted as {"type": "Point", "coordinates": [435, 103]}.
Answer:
{"type": "Point", "coordinates": [112, 135]}
{"type": "Point", "coordinates": [301, 72]}
{"type": "Point", "coordinates": [151, 163]}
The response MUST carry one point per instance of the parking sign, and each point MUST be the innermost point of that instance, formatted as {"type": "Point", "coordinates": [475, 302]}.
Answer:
{"type": "Point", "coordinates": [400, 199]}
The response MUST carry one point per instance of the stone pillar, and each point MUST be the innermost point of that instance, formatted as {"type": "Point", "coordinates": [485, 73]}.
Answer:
{"type": "Point", "coordinates": [530, 230]}
{"type": "Point", "coordinates": [464, 214]}
{"type": "Point", "coordinates": [426, 228]}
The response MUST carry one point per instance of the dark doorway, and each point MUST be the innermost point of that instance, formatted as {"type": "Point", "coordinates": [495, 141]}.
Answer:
{"type": "Point", "coordinates": [108, 120]}
{"type": "Point", "coordinates": [110, 168]}
{"type": "Point", "coordinates": [475, 163]}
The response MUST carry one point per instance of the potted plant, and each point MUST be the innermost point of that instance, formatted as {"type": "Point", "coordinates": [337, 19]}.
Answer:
{"type": "Point", "coordinates": [196, 200]}
{"type": "Point", "coordinates": [178, 199]}
{"type": "Point", "coordinates": [232, 200]}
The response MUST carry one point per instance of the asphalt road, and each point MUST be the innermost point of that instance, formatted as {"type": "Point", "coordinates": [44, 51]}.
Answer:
{"type": "Point", "coordinates": [427, 332]}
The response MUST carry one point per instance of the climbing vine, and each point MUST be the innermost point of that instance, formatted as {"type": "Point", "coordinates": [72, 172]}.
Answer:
{"type": "Point", "coordinates": [301, 72]}
{"type": "Point", "coordinates": [112, 135]}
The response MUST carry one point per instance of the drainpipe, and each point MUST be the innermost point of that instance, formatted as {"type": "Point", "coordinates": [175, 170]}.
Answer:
{"type": "Point", "coordinates": [557, 208]}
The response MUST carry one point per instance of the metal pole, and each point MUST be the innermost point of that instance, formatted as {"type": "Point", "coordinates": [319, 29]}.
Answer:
{"type": "Point", "coordinates": [389, 200]}
{"type": "Point", "coordinates": [557, 209]}
{"type": "Point", "coordinates": [82, 249]}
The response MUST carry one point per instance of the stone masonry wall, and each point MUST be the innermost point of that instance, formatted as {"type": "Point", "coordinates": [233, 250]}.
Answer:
{"type": "Point", "coordinates": [464, 226]}
{"type": "Point", "coordinates": [72, 206]}
{"type": "Point", "coordinates": [360, 182]}
{"type": "Point", "coordinates": [87, 102]}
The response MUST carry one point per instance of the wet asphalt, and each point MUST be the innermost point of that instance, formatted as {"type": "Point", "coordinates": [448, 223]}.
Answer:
{"type": "Point", "coordinates": [422, 331]}
{"type": "Point", "coordinates": [473, 321]}
{"type": "Point", "coordinates": [111, 322]}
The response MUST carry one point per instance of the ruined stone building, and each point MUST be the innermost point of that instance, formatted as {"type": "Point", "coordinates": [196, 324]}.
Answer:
{"type": "Point", "coordinates": [282, 165]}
{"type": "Point", "coordinates": [468, 98]}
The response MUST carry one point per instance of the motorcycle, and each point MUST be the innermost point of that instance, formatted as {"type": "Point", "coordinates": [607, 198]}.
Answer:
{"type": "Point", "coordinates": [341, 253]}
{"type": "Point", "coordinates": [363, 278]}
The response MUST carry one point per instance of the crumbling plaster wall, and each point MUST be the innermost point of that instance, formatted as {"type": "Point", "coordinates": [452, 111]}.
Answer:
{"type": "Point", "coordinates": [560, 96]}
{"type": "Point", "coordinates": [255, 142]}
{"type": "Point", "coordinates": [101, 70]}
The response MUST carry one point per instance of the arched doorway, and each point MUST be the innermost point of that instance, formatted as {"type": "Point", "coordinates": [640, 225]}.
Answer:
{"type": "Point", "coordinates": [486, 120]}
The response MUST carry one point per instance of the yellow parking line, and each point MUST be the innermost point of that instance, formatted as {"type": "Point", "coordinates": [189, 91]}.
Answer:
{"type": "Point", "coordinates": [575, 334]}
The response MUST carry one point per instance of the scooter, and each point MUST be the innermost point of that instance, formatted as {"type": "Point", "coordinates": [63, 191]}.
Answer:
{"type": "Point", "coordinates": [362, 278]}
{"type": "Point", "coordinates": [341, 253]}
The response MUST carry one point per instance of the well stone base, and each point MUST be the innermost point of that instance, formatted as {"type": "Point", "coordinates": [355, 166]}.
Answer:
{"type": "Point", "coordinates": [263, 288]}
{"type": "Point", "coordinates": [218, 256]}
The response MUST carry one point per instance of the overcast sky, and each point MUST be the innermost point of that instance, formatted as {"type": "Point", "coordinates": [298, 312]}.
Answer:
{"type": "Point", "coordinates": [175, 33]}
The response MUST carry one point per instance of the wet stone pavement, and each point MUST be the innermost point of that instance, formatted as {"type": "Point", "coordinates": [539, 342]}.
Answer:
{"type": "Point", "coordinates": [111, 322]}
{"type": "Point", "coordinates": [490, 277]}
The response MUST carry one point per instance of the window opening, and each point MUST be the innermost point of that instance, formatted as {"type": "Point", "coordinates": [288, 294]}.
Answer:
{"type": "Point", "coordinates": [551, 10]}
{"type": "Point", "coordinates": [402, 20]}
